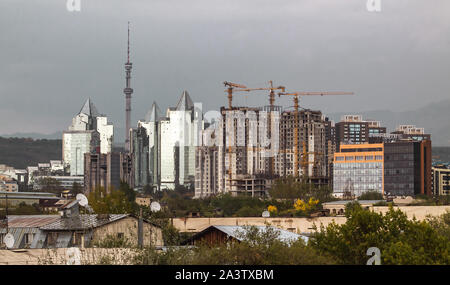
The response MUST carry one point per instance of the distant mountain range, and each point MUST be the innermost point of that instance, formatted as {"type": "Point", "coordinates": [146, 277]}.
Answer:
{"type": "Point", "coordinates": [435, 118]}
{"type": "Point", "coordinates": [36, 136]}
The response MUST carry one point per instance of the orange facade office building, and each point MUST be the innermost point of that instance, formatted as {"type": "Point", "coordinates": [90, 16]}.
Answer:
{"type": "Point", "coordinates": [398, 168]}
{"type": "Point", "coordinates": [358, 168]}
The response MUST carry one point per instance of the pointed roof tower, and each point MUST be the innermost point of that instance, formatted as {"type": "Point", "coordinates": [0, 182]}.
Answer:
{"type": "Point", "coordinates": [89, 109]}
{"type": "Point", "coordinates": [154, 114]}
{"type": "Point", "coordinates": [185, 102]}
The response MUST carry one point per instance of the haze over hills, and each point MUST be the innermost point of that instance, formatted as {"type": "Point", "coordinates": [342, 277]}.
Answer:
{"type": "Point", "coordinates": [434, 117]}
{"type": "Point", "coordinates": [36, 136]}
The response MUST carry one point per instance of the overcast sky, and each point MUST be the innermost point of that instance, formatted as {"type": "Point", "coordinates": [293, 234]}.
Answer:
{"type": "Point", "coordinates": [52, 60]}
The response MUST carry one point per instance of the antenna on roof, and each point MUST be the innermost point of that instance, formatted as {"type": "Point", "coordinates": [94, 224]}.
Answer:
{"type": "Point", "coordinates": [83, 201]}
{"type": "Point", "coordinates": [155, 207]}
{"type": "Point", "coordinates": [9, 240]}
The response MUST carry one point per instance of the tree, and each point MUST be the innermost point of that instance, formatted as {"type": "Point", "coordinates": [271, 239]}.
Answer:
{"type": "Point", "coordinates": [371, 195]}
{"type": "Point", "coordinates": [255, 248]}
{"type": "Point", "coordinates": [290, 188]}
{"type": "Point", "coordinates": [401, 241]}
{"type": "Point", "coordinates": [127, 191]}
{"type": "Point", "coordinates": [76, 188]}
{"type": "Point", "coordinates": [114, 202]}
{"type": "Point", "coordinates": [50, 185]}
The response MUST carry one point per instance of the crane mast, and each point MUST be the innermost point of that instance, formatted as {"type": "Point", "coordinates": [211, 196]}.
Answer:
{"type": "Point", "coordinates": [296, 119]}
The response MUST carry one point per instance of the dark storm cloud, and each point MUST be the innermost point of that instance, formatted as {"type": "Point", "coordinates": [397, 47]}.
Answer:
{"type": "Point", "coordinates": [52, 60]}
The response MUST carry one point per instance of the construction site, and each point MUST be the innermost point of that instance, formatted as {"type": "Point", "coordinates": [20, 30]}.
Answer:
{"type": "Point", "coordinates": [250, 147]}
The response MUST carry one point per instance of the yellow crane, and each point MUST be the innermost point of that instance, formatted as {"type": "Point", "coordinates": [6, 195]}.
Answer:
{"type": "Point", "coordinates": [296, 107]}
{"type": "Point", "coordinates": [230, 87]}
{"type": "Point", "coordinates": [271, 102]}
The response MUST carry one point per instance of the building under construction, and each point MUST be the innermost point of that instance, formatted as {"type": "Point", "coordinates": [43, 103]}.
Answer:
{"type": "Point", "coordinates": [241, 156]}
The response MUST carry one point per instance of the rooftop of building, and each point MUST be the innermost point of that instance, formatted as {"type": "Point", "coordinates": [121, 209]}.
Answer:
{"type": "Point", "coordinates": [239, 232]}
{"type": "Point", "coordinates": [345, 202]}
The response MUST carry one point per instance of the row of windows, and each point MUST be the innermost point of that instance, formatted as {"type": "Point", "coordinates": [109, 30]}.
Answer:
{"type": "Point", "coordinates": [359, 158]}
{"type": "Point", "coordinates": [360, 165]}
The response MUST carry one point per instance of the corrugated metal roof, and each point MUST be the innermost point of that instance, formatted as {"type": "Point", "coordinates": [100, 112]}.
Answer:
{"type": "Point", "coordinates": [237, 232]}
{"type": "Point", "coordinates": [31, 221]}
{"type": "Point", "coordinates": [82, 222]}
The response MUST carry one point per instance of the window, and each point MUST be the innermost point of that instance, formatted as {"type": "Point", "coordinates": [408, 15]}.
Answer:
{"type": "Point", "coordinates": [120, 235]}
{"type": "Point", "coordinates": [76, 238]}
{"type": "Point", "coordinates": [52, 237]}
{"type": "Point", "coordinates": [28, 238]}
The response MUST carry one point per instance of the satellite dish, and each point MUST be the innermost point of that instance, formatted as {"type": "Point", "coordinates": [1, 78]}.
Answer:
{"type": "Point", "coordinates": [74, 256]}
{"type": "Point", "coordinates": [82, 200]}
{"type": "Point", "coordinates": [155, 207]}
{"type": "Point", "coordinates": [266, 214]}
{"type": "Point", "coordinates": [9, 240]}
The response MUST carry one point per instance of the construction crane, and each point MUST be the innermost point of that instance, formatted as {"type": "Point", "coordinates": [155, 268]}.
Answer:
{"type": "Point", "coordinates": [271, 103]}
{"type": "Point", "coordinates": [229, 90]}
{"type": "Point", "coordinates": [271, 94]}
{"type": "Point", "coordinates": [296, 107]}
{"type": "Point", "coordinates": [304, 161]}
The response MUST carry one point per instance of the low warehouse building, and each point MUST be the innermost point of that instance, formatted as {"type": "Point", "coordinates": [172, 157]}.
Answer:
{"type": "Point", "coordinates": [215, 235]}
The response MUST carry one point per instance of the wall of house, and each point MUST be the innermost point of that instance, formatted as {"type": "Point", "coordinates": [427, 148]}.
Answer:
{"type": "Point", "coordinates": [297, 225]}
{"type": "Point", "coordinates": [129, 227]}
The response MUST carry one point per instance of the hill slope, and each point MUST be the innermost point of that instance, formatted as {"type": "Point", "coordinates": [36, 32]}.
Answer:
{"type": "Point", "coordinates": [23, 152]}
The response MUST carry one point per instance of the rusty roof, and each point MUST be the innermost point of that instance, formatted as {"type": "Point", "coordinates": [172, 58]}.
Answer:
{"type": "Point", "coordinates": [31, 221]}
{"type": "Point", "coordinates": [82, 222]}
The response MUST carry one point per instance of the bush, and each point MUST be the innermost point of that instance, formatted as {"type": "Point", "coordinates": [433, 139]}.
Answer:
{"type": "Point", "coordinates": [401, 241]}
{"type": "Point", "coordinates": [371, 195]}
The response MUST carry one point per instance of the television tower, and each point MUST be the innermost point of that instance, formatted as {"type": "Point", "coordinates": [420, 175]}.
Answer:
{"type": "Point", "coordinates": [128, 91]}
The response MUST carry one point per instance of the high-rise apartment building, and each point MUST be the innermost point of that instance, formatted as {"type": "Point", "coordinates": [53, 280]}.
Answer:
{"type": "Point", "coordinates": [315, 144]}
{"type": "Point", "coordinates": [163, 147]}
{"type": "Point", "coordinates": [441, 180]}
{"type": "Point", "coordinates": [179, 132]}
{"type": "Point", "coordinates": [411, 132]}
{"type": "Point", "coordinates": [239, 155]}
{"type": "Point", "coordinates": [353, 129]}
{"type": "Point", "coordinates": [106, 170]}
{"type": "Point", "coordinates": [89, 132]}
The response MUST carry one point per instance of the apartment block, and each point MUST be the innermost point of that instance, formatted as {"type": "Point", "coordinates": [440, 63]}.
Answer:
{"type": "Point", "coordinates": [441, 180]}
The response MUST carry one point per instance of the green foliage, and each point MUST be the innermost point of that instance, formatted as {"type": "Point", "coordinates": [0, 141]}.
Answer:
{"type": "Point", "coordinates": [21, 209]}
{"type": "Point", "coordinates": [50, 185]}
{"type": "Point", "coordinates": [401, 241]}
{"type": "Point", "coordinates": [424, 200]}
{"type": "Point", "coordinates": [113, 241]}
{"type": "Point", "coordinates": [290, 188]}
{"type": "Point", "coordinates": [257, 248]}
{"type": "Point", "coordinates": [441, 224]}
{"type": "Point", "coordinates": [371, 195]}
{"type": "Point", "coordinates": [23, 152]}
{"type": "Point", "coordinates": [114, 202]}
{"type": "Point", "coordinates": [128, 191]}
{"type": "Point", "coordinates": [76, 188]}
{"type": "Point", "coordinates": [350, 207]}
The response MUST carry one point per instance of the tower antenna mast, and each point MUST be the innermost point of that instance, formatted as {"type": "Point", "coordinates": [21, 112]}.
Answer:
{"type": "Point", "coordinates": [128, 91]}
